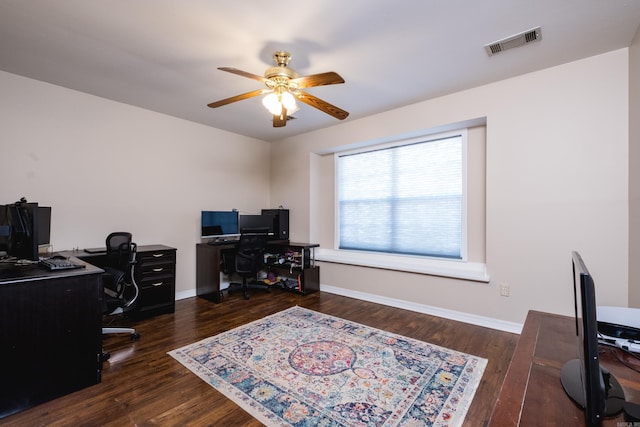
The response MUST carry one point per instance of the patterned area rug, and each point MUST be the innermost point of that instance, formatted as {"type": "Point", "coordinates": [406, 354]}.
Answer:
{"type": "Point", "coordinates": [303, 368]}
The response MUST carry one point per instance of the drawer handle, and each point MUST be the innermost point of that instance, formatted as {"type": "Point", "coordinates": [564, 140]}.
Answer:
{"type": "Point", "coordinates": [157, 270]}
{"type": "Point", "coordinates": [157, 284]}
{"type": "Point", "coordinates": [157, 255]}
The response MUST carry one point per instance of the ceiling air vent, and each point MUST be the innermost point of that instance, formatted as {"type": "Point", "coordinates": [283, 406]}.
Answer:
{"type": "Point", "coordinates": [517, 40]}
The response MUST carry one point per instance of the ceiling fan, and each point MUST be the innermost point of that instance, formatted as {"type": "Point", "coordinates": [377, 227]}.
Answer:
{"type": "Point", "coordinates": [284, 87]}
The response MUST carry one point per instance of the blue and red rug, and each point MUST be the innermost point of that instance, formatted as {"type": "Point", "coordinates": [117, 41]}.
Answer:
{"type": "Point", "coordinates": [303, 368]}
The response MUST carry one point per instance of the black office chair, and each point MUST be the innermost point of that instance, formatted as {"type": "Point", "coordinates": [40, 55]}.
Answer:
{"type": "Point", "coordinates": [249, 259]}
{"type": "Point", "coordinates": [120, 288]}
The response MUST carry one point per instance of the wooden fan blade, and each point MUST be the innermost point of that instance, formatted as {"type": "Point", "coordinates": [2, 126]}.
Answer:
{"type": "Point", "coordinates": [321, 105]}
{"type": "Point", "coordinates": [281, 119]}
{"type": "Point", "coordinates": [238, 98]}
{"type": "Point", "coordinates": [243, 73]}
{"type": "Point", "coordinates": [329, 78]}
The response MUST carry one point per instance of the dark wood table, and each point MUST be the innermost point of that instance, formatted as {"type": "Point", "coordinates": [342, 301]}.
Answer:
{"type": "Point", "coordinates": [50, 333]}
{"type": "Point", "coordinates": [532, 394]}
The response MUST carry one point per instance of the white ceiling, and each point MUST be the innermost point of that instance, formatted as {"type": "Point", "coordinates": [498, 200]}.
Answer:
{"type": "Point", "coordinates": [163, 55]}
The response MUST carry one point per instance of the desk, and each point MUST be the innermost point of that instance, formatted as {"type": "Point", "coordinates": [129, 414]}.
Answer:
{"type": "Point", "coordinates": [304, 274]}
{"type": "Point", "coordinates": [155, 275]}
{"type": "Point", "coordinates": [50, 333]}
{"type": "Point", "coordinates": [532, 394]}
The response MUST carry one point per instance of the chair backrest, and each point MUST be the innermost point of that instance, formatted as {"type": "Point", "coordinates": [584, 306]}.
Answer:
{"type": "Point", "coordinates": [119, 248]}
{"type": "Point", "coordinates": [121, 260]}
{"type": "Point", "coordinates": [250, 250]}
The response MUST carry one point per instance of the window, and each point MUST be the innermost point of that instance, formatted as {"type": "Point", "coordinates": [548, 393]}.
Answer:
{"type": "Point", "coordinates": [405, 198]}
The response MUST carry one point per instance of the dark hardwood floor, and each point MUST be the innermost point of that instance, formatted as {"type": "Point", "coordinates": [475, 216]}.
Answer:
{"type": "Point", "coordinates": [143, 386]}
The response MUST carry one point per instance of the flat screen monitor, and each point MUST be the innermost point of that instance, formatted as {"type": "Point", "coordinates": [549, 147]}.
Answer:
{"type": "Point", "coordinates": [44, 225]}
{"type": "Point", "coordinates": [218, 223]}
{"type": "Point", "coordinates": [5, 230]}
{"type": "Point", "coordinates": [257, 221]}
{"type": "Point", "coordinates": [22, 219]}
{"type": "Point", "coordinates": [583, 379]}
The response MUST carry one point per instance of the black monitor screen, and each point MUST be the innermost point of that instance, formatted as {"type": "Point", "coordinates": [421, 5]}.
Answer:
{"type": "Point", "coordinates": [22, 218]}
{"type": "Point", "coordinates": [219, 223]}
{"type": "Point", "coordinates": [44, 225]}
{"type": "Point", "coordinates": [257, 221]}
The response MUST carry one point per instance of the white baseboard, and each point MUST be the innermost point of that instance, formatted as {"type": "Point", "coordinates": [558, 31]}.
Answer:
{"type": "Point", "coordinates": [472, 319]}
{"type": "Point", "coordinates": [186, 294]}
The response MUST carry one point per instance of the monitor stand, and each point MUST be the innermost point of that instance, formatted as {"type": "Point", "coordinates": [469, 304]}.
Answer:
{"type": "Point", "coordinates": [571, 378]}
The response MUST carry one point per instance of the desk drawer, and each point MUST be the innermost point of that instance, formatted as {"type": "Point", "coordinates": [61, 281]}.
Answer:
{"type": "Point", "coordinates": [156, 275]}
{"type": "Point", "coordinates": [145, 271]}
{"type": "Point", "coordinates": [156, 292]}
{"type": "Point", "coordinates": [156, 257]}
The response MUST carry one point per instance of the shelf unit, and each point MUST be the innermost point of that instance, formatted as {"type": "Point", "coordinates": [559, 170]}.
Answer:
{"type": "Point", "coordinates": [295, 265]}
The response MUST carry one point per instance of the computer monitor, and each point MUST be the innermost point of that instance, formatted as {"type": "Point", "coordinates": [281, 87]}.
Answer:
{"type": "Point", "coordinates": [214, 224]}
{"type": "Point", "coordinates": [584, 380]}
{"type": "Point", "coordinates": [44, 225]}
{"type": "Point", "coordinates": [257, 221]}
{"type": "Point", "coordinates": [22, 219]}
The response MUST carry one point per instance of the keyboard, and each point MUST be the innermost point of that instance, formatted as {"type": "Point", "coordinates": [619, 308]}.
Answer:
{"type": "Point", "coordinates": [95, 250]}
{"type": "Point", "coordinates": [53, 264]}
{"type": "Point", "coordinates": [225, 241]}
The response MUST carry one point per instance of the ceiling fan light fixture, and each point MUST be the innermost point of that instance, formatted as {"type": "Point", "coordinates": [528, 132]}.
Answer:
{"type": "Point", "coordinates": [275, 101]}
{"type": "Point", "coordinates": [272, 103]}
{"type": "Point", "coordinates": [283, 86]}
{"type": "Point", "coordinates": [289, 102]}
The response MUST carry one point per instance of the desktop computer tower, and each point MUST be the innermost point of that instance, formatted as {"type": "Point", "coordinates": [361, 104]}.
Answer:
{"type": "Point", "coordinates": [280, 222]}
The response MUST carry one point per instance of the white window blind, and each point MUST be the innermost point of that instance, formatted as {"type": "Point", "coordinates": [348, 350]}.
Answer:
{"type": "Point", "coordinates": [404, 199]}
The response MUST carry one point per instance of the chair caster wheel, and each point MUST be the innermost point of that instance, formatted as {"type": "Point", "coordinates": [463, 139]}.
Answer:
{"type": "Point", "coordinates": [104, 357]}
{"type": "Point", "coordinates": [135, 336]}
{"type": "Point", "coordinates": [246, 296]}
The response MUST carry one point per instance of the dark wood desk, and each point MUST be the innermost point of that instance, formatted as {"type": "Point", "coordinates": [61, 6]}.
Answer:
{"type": "Point", "coordinates": [155, 274]}
{"type": "Point", "coordinates": [532, 394]}
{"type": "Point", "coordinates": [50, 333]}
{"type": "Point", "coordinates": [305, 276]}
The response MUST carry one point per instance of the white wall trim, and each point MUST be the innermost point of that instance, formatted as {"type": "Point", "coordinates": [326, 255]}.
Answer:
{"type": "Point", "coordinates": [487, 322]}
{"type": "Point", "coordinates": [185, 294]}
{"type": "Point", "coordinates": [474, 271]}
{"type": "Point", "coordinates": [472, 319]}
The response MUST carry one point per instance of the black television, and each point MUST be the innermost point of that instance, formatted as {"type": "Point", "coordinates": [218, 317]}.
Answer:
{"type": "Point", "coordinates": [587, 383]}
{"type": "Point", "coordinates": [216, 224]}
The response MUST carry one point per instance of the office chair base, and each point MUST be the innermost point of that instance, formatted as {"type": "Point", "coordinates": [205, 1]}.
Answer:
{"type": "Point", "coordinates": [246, 286]}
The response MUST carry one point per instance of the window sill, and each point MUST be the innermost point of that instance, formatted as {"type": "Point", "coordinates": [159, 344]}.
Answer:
{"type": "Point", "coordinates": [474, 271]}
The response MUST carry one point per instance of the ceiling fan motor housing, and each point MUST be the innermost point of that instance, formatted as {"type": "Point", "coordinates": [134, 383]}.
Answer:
{"type": "Point", "coordinates": [281, 58]}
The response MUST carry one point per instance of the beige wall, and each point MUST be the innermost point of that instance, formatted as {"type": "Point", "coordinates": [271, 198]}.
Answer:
{"type": "Point", "coordinates": [634, 172]}
{"type": "Point", "coordinates": [557, 163]}
{"type": "Point", "coordinates": [105, 166]}
{"type": "Point", "coordinates": [556, 167]}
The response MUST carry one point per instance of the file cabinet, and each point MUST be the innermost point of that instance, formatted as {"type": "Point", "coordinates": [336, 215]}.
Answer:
{"type": "Point", "coordinates": [155, 275]}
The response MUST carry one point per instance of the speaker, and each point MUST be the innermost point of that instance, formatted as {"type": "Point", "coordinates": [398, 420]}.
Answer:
{"type": "Point", "coordinates": [280, 222]}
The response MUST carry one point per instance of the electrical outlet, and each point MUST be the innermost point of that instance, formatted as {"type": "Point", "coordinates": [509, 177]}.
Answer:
{"type": "Point", "coordinates": [505, 289]}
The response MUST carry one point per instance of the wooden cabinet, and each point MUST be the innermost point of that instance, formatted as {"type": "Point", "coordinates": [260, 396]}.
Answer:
{"type": "Point", "coordinates": [50, 333]}
{"type": "Point", "coordinates": [155, 275]}
{"type": "Point", "coordinates": [294, 265]}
